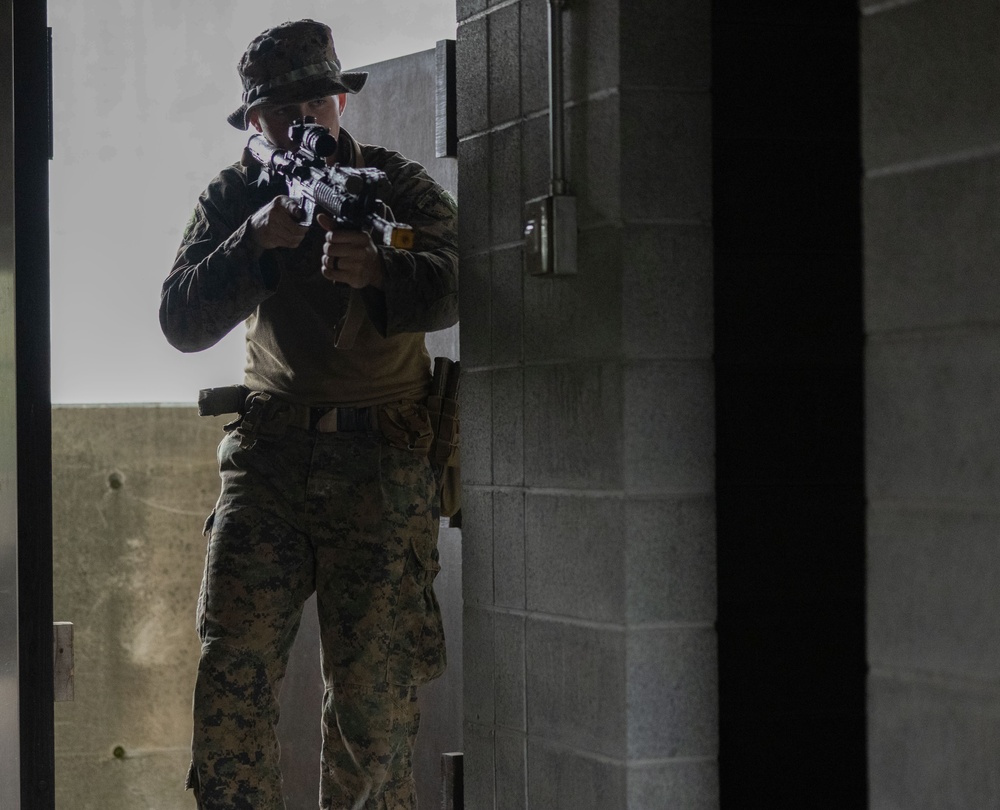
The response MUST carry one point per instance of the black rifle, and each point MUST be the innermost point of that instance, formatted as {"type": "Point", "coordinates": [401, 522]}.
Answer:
{"type": "Point", "coordinates": [350, 196]}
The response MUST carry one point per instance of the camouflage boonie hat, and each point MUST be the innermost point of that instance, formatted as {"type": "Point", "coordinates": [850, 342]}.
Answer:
{"type": "Point", "coordinates": [293, 62]}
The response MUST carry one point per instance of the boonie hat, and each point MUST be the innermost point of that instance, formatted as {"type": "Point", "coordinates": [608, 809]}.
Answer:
{"type": "Point", "coordinates": [294, 61]}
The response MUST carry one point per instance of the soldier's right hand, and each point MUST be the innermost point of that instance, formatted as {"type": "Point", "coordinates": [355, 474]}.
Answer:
{"type": "Point", "coordinates": [277, 224]}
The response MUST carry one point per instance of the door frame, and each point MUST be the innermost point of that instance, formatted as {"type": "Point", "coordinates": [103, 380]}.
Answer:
{"type": "Point", "coordinates": [27, 442]}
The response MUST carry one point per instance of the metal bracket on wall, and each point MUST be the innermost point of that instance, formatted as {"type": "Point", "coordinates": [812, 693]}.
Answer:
{"type": "Point", "coordinates": [445, 113]}
{"type": "Point", "coordinates": [452, 786]}
{"type": "Point", "coordinates": [550, 232]}
{"type": "Point", "coordinates": [51, 110]}
{"type": "Point", "coordinates": [62, 659]}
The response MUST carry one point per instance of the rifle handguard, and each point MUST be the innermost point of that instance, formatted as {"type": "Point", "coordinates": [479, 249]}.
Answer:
{"type": "Point", "coordinates": [349, 195]}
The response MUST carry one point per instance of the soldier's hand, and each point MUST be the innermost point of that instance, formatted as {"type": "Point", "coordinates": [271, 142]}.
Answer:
{"type": "Point", "coordinates": [277, 224]}
{"type": "Point", "coordinates": [350, 256]}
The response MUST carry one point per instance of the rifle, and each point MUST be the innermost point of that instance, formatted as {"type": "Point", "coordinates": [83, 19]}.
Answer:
{"type": "Point", "coordinates": [349, 195]}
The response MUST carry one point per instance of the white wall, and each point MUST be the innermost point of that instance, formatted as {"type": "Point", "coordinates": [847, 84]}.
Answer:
{"type": "Point", "coordinates": [141, 94]}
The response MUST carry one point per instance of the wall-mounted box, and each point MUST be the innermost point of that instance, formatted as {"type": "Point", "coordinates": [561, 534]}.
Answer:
{"type": "Point", "coordinates": [550, 236]}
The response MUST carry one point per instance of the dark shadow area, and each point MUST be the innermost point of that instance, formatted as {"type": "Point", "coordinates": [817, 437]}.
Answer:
{"type": "Point", "coordinates": [26, 29]}
{"type": "Point", "coordinates": [790, 460]}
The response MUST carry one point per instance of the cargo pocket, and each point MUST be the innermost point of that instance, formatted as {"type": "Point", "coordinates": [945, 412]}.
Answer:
{"type": "Point", "coordinates": [417, 649]}
{"type": "Point", "coordinates": [201, 610]}
{"type": "Point", "coordinates": [206, 530]}
{"type": "Point", "coordinates": [193, 783]}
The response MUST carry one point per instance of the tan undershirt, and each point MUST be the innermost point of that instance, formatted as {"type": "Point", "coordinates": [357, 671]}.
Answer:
{"type": "Point", "coordinates": [290, 340]}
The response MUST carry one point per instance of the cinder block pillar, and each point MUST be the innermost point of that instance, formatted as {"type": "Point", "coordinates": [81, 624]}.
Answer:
{"type": "Point", "coordinates": [589, 519]}
{"type": "Point", "coordinates": [932, 224]}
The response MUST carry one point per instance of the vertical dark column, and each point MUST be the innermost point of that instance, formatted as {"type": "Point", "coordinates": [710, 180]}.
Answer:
{"type": "Point", "coordinates": [34, 510]}
{"type": "Point", "coordinates": [10, 742]}
{"type": "Point", "coordinates": [788, 337]}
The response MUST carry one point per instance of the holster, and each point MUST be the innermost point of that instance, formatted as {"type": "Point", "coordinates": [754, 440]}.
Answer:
{"type": "Point", "coordinates": [443, 409]}
{"type": "Point", "coordinates": [254, 413]}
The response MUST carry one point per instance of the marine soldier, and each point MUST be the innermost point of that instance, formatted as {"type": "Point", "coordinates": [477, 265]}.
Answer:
{"type": "Point", "coordinates": [326, 482]}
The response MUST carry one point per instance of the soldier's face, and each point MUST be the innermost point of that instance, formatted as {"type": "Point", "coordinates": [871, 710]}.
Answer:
{"type": "Point", "coordinates": [273, 122]}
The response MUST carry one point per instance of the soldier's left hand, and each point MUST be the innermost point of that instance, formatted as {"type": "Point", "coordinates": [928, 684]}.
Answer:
{"type": "Point", "coordinates": [350, 256]}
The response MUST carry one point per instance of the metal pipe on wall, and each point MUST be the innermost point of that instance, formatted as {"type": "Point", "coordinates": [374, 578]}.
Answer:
{"type": "Point", "coordinates": [557, 156]}
{"type": "Point", "coordinates": [550, 232]}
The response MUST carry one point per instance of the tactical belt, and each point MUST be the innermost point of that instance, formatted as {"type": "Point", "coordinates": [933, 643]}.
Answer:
{"type": "Point", "coordinates": [322, 418]}
{"type": "Point", "coordinates": [333, 419]}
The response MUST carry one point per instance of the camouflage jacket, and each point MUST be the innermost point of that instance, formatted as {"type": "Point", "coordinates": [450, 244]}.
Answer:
{"type": "Point", "coordinates": [221, 278]}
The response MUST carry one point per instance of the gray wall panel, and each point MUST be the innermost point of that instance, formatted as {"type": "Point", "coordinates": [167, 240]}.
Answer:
{"type": "Point", "coordinates": [934, 590]}
{"type": "Point", "coordinates": [931, 80]}
{"type": "Point", "coordinates": [933, 744]}
{"type": "Point", "coordinates": [930, 86]}
{"type": "Point", "coordinates": [931, 243]}
{"type": "Point", "coordinates": [931, 416]}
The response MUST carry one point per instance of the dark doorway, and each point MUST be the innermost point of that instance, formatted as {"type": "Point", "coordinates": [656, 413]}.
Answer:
{"type": "Point", "coordinates": [790, 482]}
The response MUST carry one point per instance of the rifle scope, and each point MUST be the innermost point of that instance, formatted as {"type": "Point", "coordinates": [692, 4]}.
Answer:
{"type": "Point", "coordinates": [311, 137]}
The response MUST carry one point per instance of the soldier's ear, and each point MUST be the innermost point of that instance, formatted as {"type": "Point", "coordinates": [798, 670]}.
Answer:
{"type": "Point", "coordinates": [253, 118]}
{"type": "Point", "coordinates": [342, 101]}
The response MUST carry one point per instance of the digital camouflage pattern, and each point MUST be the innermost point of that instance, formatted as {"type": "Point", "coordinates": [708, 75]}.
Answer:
{"type": "Point", "coordinates": [350, 516]}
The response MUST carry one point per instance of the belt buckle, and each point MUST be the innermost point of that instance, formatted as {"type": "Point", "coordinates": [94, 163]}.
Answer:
{"type": "Point", "coordinates": [327, 422]}
{"type": "Point", "coordinates": [345, 420]}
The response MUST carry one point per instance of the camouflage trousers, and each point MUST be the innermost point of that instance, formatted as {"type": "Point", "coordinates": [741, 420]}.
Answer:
{"type": "Point", "coordinates": [353, 519]}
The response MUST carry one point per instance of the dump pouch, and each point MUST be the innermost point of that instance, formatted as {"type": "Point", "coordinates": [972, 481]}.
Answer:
{"type": "Point", "coordinates": [406, 426]}
{"type": "Point", "coordinates": [444, 418]}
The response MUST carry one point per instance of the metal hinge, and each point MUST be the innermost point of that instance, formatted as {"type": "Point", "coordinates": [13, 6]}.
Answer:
{"type": "Point", "coordinates": [52, 128]}
{"type": "Point", "coordinates": [62, 660]}
{"type": "Point", "coordinates": [445, 110]}
{"type": "Point", "coordinates": [452, 787]}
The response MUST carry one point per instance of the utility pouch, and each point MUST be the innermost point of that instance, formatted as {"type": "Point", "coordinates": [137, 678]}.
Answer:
{"type": "Point", "coordinates": [406, 426]}
{"type": "Point", "coordinates": [443, 407]}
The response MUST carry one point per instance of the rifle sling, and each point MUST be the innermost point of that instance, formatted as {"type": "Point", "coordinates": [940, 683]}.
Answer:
{"type": "Point", "coordinates": [347, 328]}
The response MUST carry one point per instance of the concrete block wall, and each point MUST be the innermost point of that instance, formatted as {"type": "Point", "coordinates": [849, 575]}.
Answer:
{"type": "Point", "coordinates": [932, 294]}
{"type": "Point", "coordinates": [588, 534]}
